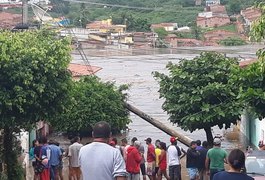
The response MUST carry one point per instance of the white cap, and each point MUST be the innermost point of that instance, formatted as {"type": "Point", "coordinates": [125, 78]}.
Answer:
{"type": "Point", "coordinates": [137, 143]}
{"type": "Point", "coordinates": [217, 141]}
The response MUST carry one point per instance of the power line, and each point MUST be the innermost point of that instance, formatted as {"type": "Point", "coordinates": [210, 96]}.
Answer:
{"type": "Point", "coordinates": [114, 5]}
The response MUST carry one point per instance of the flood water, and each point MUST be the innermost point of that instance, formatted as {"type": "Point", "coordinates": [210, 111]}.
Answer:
{"type": "Point", "coordinates": [136, 69]}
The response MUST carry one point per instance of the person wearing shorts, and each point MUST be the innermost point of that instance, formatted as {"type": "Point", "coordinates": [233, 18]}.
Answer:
{"type": "Point", "coordinates": [192, 159]}
{"type": "Point", "coordinates": [151, 159]}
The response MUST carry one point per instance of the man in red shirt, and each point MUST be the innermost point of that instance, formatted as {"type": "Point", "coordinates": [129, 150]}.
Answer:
{"type": "Point", "coordinates": [151, 159]}
{"type": "Point", "coordinates": [133, 161]}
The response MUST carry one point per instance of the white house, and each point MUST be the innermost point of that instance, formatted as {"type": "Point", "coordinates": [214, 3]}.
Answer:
{"type": "Point", "coordinates": [212, 2]}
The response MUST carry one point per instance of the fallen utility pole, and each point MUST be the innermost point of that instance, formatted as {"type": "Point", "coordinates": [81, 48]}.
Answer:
{"type": "Point", "coordinates": [183, 139]}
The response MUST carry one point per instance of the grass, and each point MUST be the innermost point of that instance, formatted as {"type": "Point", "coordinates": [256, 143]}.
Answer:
{"type": "Point", "coordinates": [230, 27]}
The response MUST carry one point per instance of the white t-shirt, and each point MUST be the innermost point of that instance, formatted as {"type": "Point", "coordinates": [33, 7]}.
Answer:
{"type": "Point", "coordinates": [74, 154]}
{"type": "Point", "coordinates": [173, 158]}
{"type": "Point", "coordinates": [101, 161]}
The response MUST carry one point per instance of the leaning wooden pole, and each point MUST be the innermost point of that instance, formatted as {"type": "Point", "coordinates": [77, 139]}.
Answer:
{"type": "Point", "coordinates": [183, 139]}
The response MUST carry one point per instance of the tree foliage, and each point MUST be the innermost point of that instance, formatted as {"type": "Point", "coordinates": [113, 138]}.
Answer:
{"type": "Point", "coordinates": [161, 32]}
{"type": "Point", "coordinates": [34, 83]}
{"type": "Point", "coordinates": [198, 94]}
{"type": "Point", "coordinates": [232, 41]}
{"type": "Point", "coordinates": [251, 79]}
{"type": "Point", "coordinates": [91, 101]}
{"type": "Point", "coordinates": [34, 77]}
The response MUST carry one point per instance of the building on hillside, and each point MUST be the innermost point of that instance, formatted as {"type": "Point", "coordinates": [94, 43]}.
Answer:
{"type": "Point", "coordinates": [212, 2]}
{"type": "Point", "coordinates": [167, 26]}
{"type": "Point", "coordinates": [144, 39]}
{"type": "Point", "coordinates": [216, 9]}
{"type": "Point", "coordinates": [9, 20]}
{"type": "Point", "coordinates": [250, 14]}
{"type": "Point", "coordinates": [214, 21]}
{"type": "Point", "coordinates": [173, 41]}
{"type": "Point", "coordinates": [217, 35]}
{"type": "Point", "coordinates": [106, 26]}
{"type": "Point", "coordinates": [213, 16]}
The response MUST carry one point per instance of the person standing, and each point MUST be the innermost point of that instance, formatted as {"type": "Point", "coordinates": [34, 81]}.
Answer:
{"type": "Point", "coordinates": [151, 159]}
{"type": "Point", "coordinates": [163, 162]}
{"type": "Point", "coordinates": [55, 158]}
{"type": "Point", "coordinates": [124, 146]}
{"type": "Point", "coordinates": [201, 160]}
{"type": "Point", "coordinates": [99, 160]}
{"type": "Point", "coordinates": [236, 161]}
{"type": "Point", "coordinates": [35, 143]}
{"type": "Point", "coordinates": [73, 155]}
{"type": "Point", "coordinates": [133, 161]}
{"type": "Point", "coordinates": [157, 153]}
{"type": "Point", "coordinates": [142, 164]}
{"type": "Point", "coordinates": [174, 153]}
{"type": "Point", "coordinates": [216, 157]}
{"type": "Point", "coordinates": [192, 159]}
{"type": "Point", "coordinates": [42, 155]}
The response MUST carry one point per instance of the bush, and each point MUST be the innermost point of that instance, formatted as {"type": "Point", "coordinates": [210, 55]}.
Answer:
{"type": "Point", "coordinates": [232, 41]}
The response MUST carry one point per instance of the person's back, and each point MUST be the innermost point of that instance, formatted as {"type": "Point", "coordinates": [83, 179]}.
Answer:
{"type": "Point", "coordinates": [216, 156]}
{"type": "Point", "coordinates": [236, 161]}
{"type": "Point", "coordinates": [73, 154]}
{"type": "Point", "coordinates": [224, 175]}
{"type": "Point", "coordinates": [173, 157]}
{"type": "Point", "coordinates": [201, 159]}
{"type": "Point", "coordinates": [100, 161]}
{"type": "Point", "coordinates": [55, 155]}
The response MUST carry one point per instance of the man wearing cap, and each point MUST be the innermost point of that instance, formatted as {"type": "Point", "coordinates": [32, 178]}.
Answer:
{"type": "Point", "coordinates": [216, 157]}
{"type": "Point", "coordinates": [151, 159]}
{"type": "Point", "coordinates": [174, 153]}
{"type": "Point", "coordinates": [133, 161]}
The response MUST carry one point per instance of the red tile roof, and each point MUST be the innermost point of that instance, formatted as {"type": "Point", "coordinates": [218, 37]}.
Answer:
{"type": "Point", "coordinates": [245, 63]}
{"type": "Point", "coordinates": [79, 70]}
{"type": "Point", "coordinates": [9, 20]}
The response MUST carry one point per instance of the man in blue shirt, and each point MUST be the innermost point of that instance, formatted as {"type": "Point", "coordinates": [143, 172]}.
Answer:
{"type": "Point", "coordinates": [55, 158]}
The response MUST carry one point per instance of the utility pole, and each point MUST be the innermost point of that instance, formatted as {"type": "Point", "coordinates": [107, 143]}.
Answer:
{"type": "Point", "coordinates": [24, 12]}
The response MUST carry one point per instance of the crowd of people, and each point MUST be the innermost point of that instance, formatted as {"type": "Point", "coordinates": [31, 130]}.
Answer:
{"type": "Point", "coordinates": [105, 158]}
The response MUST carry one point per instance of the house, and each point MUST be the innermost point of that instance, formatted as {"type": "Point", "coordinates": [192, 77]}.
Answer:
{"type": "Point", "coordinates": [217, 35]}
{"type": "Point", "coordinates": [9, 20]}
{"type": "Point", "coordinates": [144, 39]}
{"type": "Point", "coordinates": [167, 26]}
{"type": "Point", "coordinates": [216, 9]}
{"type": "Point", "coordinates": [212, 2]}
{"type": "Point", "coordinates": [250, 14]}
{"type": "Point", "coordinates": [106, 26]}
{"type": "Point", "coordinates": [253, 128]}
{"type": "Point", "coordinates": [214, 21]}
{"type": "Point", "coordinates": [175, 41]}
{"type": "Point", "coordinates": [213, 16]}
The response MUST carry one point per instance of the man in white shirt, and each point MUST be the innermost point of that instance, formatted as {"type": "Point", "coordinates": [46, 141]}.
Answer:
{"type": "Point", "coordinates": [99, 160]}
{"type": "Point", "coordinates": [174, 153]}
{"type": "Point", "coordinates": [73, 154]}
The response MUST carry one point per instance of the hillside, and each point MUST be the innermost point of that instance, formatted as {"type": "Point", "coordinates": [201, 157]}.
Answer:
{"type": "Point", "coordinates": [182, 12]}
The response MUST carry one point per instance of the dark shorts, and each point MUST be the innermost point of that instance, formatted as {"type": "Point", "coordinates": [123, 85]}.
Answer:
{"type": "Point", "coordinates": [156, 170]}
{"type": "Point", "coordinates": [143, 169]}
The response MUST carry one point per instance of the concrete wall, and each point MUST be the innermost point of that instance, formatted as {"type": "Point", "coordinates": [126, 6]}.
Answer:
{"type": "Point", "coordinates": [252, 128]}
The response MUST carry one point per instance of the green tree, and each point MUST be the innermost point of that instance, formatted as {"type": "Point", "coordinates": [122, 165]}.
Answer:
{"type": "Point", "coordinates": [251, 79]}
{"type": "Point", "coordinates": [161, 32]}
{"type": "Point", "coordinates": [34, 83]}
{"type": "Point", "coordinates": [91, 101]}
{"type": "Point", "coordinates": [234, 7]}
{"type": "Point", "coordinates": [198, 95]}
